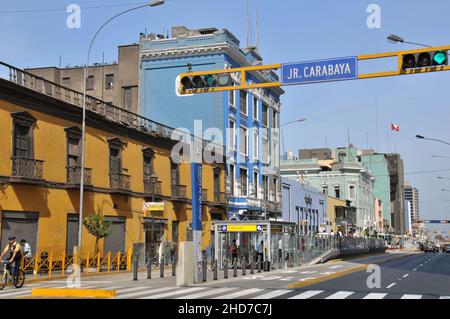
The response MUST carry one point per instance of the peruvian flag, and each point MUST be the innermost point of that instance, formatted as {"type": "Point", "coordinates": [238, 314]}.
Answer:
{"type": "Point", "coordinates": [395, 127]}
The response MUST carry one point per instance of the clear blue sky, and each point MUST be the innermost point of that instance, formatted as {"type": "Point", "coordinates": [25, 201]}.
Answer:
{"type": "Point", "coordinates": [291, 30]}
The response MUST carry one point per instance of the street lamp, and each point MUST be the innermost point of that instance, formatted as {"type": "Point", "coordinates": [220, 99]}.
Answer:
{"type": "Point", "coordinates": [440, 177]}
{"type": "Point", "coordinates": [445, 190]}
{"type": "Point", "coordinates": [439, 156]}
{"type": "Point", "coordinates": [420, 137]}
{"type": "Point", "coordinates": [282, 134]}
{"type": "Point", "coordinates": [393, 38]}
{"type": "Point", "coordinates": [153, 3]}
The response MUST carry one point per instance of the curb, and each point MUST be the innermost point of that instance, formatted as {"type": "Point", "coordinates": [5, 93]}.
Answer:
{"type": "Point", "coordinates": [60, 292]}
{"type": "Point", "coordinates": [342, 273]}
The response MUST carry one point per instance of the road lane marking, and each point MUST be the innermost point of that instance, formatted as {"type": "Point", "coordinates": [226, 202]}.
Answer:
{"type": "Point", "coordinates": [334, 267]}
{"type": "Point", "coordinates": [240, 293]}
{"type": "Point", "coordinates": [206, 293]}
{"type": "Point", "coordinates": [414, 269]}
{"type": "Point", "coordinates": [139, 293]}
{"type": "Point", "coordinates": [308, 272]}
{"type": "Point", "coordinates": [173, 293]}
{"type": "Point", "coordinates": [404, 276]}
{"type": "Point", "coordinates": [420, 265]}
{"type": "Point", "coordinates": [411, 297]}
{"type": "Point", "coordinates": [125, 290]}
{"type": "Point", "coordinates": [391, 285]}
{"type": "Point", "coordinates": [272, 278]}
{"type": "Point", "coordinates": [444, 297]}
{"type": "Point", "coordinates": [307, 294]}
{"type": "Point", "coordinates": [340, 295]}
{"type": "Point", "coordinates": [273, 294]}
{"type": "Point", "coordinates": [375, 295]}
{"type": "Point", "coordinates": [287, 279]}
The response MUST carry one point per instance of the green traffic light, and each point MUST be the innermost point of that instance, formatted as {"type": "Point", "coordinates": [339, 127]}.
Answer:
{"type": "Point", "coordinates": [210, 80]}
{"type": "Point", "coordinates": [440, 57]}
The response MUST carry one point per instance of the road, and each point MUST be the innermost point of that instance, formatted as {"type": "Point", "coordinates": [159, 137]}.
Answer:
{"type": "Point", "coordinates": [403, 276]}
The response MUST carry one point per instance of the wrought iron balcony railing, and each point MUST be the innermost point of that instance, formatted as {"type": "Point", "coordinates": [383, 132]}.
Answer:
{"type": "Point", "coordinates": [74, 175]}
{"type": "Point", "coordinates": [179, 191]}
{"type": "Point", "coordinates": [119, 181]}
{"type": "Point", "coordinates": [152, 187]}
{"type": "Point", "coordinates": [27, 168]}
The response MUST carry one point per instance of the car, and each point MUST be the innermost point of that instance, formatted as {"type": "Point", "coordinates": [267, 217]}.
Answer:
{"type": "Point", "coordinates": [447, 248]}
{"type": "Point", "coordinates": [430, 248]}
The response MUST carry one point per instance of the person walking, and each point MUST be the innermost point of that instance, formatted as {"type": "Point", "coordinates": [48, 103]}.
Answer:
{"type": "Point", "coordinates": [261, 251]}
{"type": "Point", "coordinates": [234, 251]}
{"type": "Point", "coordinates": [26, 248]}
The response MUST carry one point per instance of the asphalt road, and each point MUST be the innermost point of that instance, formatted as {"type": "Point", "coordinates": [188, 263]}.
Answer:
{"type": "Point", "coordinates": [418, 276]}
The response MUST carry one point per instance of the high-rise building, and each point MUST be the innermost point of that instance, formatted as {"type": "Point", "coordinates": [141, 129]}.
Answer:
{"type": "Point", "coordinates": [397, 181]}
{"type": "Point", "coordinates": [248, 120]}
{"type": "Point", "coordinates": [412, 195]}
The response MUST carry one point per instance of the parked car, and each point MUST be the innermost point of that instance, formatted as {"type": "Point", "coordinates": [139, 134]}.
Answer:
{"type": "Point", "coordinates": [430, 248]}
{"type": "Point", "coordinates": [447, 248]}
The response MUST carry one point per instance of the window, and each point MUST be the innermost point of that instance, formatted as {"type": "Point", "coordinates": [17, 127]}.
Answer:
{"type": "Point", "coordinates": [255, 183]}
{"type": "Point", "coordinates": [243, 102]}
{"type": "Point", "coordinates": [265, 187]}
{"type": "Point", "coordinates": [337, 192]}
{"type": "Point", "coordinates": [90, 82]}
{"type": "Point", "coordinates": [66, 82]}
{"type": "Point", "coordinates": [216, 180]}
{"type": "Point", "coordinates": [255, 143]}
{"type": "Point", "coordinates": [174, 174]}
{"type": "Point", "coordinates": [265, 150]}
{"type": "Point", "coordinates": [243, 146]}
{"type": "Point", "coordinates": [265, 115]}
{"type": "Point", "coordinates": [148, 156]}
{"type": "Point", "coordinates": [274, 119]}
{"type": "Point", "coordinates": [231, 177]}
{"type": "Point", "coordinates": [115, 160]}
{"type": "Point", "coordinates": [232, 134]}
{"type": "Point", "coordinates": [22, 141]}
{"type": "Point", "coordinates": [232, 98]}
{"type": "Point", "coordinates": [109, 81]}
{"type": "Point", "coordinates": [274, 189]}
{"type": "Point", "coordinates": [255, 108]}
{"type": "Point", "coordinates": [244, 182]}
{"type": "Point", "coordinates": [127, 98]}
{"type": "Point", "coordinates": [352, 192]}
{"type": "Point", "coordinates": [73, 151]}
{"type": "Point", "coordinates": [325, 189]}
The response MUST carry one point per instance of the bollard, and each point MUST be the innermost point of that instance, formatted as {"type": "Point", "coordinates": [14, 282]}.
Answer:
{"type": "Point", "coordinates": [225, 269]}
{"type": "Point", "coordinates": [174, 265]}
{"type": "Point", "coordinates": [161, 267]}
{"type": "Point", "coordinates": [252, 266]}
{"type": "Point", "coordinates": [205, 269]}
{"type": "Point", "coordinates": [135, 268]}
{"type": "Point", "coordinates": [215, 270]}
{"type": "Point", "coordinates": [244, 266]}
{"type": "Point", "coordinates": [149, 266]}
{"type": "Point", "coordinates": [259, 264]}
{"type": "Point", "coordinates": [235, 268]}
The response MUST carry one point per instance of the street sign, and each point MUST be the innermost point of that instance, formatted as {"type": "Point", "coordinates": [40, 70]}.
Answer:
{"type": "Point", "coordinates": [337, 69]}
{"type": "Point", "coordinates": [153, 206]}
{"type": "Point", "coordinates": [241, 228]}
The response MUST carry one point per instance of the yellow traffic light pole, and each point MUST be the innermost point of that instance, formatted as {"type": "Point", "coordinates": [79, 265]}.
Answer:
{"type": "Point", "coordinates": [244, 70]}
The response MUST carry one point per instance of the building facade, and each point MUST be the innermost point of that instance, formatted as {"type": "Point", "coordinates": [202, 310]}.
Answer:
{"type": "Point", "coordinates": [248, 120]}
{"type": "Point", "coordinates": [397, 180]}
{"type": "Point", "coordinates": [412, 195]}
{"type": "Point", "coordinates": [345, 178]}
{"type": "Point", "coordinates": [378, 165]}
{"type": "Point", "coordinates": [116, 83]}
{"type": "Point", "coordinates": [128, 162]}
{"type": "Point", "coordinates": [341, 215]}
{"type": "Point", "coordinates": [304, 205]}
{"type": "Point", "coordinates": [379, 216]}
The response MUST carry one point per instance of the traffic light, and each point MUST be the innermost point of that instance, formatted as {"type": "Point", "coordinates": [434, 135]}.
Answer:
{"type": "Point", "coordinates": [205, 81]}
{"type": "Point", "coordinates": [424, 59]}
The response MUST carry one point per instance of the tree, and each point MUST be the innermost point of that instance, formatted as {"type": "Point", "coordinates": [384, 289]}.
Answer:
{"type": "Point", "coordinates": [98, 227]}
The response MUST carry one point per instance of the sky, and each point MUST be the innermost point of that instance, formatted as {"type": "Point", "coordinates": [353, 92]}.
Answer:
{"type": "Point", "coordinates": [36, 34]}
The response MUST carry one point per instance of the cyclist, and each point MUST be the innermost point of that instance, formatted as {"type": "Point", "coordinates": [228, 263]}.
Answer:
{"type": "Point", "coordinates": [15, 255]}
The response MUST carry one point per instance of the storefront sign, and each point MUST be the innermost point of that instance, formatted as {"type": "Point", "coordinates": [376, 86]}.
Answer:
{"type": "Point", "coordinates": [237, 228]}
{"type": "Point", "coordinates": [153, 206]}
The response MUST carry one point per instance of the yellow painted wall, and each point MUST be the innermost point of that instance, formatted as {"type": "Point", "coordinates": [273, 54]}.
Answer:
{"type": "Point", "coordinates": [54, 204]}
{"type": "Point", "coordinates": [332, 202]}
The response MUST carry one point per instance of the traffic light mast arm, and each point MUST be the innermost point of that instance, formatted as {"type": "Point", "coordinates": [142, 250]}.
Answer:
{"type": "Point", "coordinates": [401, 70]}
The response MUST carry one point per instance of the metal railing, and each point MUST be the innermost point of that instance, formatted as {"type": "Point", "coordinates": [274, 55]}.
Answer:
{"type": "Point", "coordinates": [27, 168]}
{"type": "Point", "coordinates": [152, 187]}
{"type": "Point", "coordinates": [119, 181]}
{"type": "Point", "coordinates": [179, 191]}
{"type": "Point", "coordinates": [74, 175]}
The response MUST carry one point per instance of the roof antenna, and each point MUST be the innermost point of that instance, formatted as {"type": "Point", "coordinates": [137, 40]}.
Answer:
{"type": "Point", "coordinates": [248, 25]}
{"type": "Point", "coordinates": [257, 31]}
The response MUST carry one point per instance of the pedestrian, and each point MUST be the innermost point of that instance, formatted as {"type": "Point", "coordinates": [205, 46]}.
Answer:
{"type": "Point", "coordinates": [234, 251]}
{"type": "Point", "coordinates": [332, 233]}
{"type": "Point", "coordinates": [261, 251]}
{"type": "Point", "coordinates": [26, 248]}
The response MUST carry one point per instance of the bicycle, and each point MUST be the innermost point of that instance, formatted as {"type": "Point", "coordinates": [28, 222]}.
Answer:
{"type": "Point", "coordinates": [17, 280]}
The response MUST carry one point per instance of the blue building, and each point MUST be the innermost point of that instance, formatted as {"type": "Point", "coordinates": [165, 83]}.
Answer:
{"type": "Point", "coordinates": [304, 205]}
{"type": "Point", "coordinates": [248, 120]}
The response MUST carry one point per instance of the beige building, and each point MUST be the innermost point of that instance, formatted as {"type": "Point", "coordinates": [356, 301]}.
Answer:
{"type": "Point", "coordinates": [116, 83]}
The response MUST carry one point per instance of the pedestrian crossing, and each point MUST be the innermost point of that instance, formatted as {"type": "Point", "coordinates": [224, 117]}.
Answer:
{"type": "Point", "coordinates": [205, 292]}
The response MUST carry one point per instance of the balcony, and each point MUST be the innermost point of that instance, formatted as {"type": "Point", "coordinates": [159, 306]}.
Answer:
{"type": "Point", "coordinates": [74, 175]}
{"type": "Point", "coordinates": [220, 198]}
{"type": "Point", "coordinates": [179, 191]}
{"type": "Point", "coordinates": [27, 168]}
{"type": "Point", "coordinates": [152, 187]}
{"type": "Point", "coordinates": [119, 182]}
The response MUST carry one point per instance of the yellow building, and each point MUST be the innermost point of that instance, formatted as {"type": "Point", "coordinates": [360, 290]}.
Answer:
{"type": "Point", "coordinates": [128, 162]}
{"type": "Point", "coordinates": [341, 216]}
